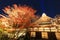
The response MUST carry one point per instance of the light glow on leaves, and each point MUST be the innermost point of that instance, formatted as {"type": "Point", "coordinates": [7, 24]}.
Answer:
{"type": "Point", "coordinates": [20, 16]}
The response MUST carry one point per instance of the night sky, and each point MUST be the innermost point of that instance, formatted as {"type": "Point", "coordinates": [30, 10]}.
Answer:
{"type": "Point", "coordinates": [50, 7]}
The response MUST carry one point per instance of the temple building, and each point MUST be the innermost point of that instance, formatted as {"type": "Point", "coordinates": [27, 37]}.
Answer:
{"type": "Point", "coordinates": [45, 26]}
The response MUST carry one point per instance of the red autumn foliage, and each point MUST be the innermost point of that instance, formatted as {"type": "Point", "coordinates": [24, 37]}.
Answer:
{"type": "Point", "coordinates": [20, 15]}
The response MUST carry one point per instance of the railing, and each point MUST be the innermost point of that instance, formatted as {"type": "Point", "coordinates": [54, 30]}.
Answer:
{"type": "Point", "coordinates": [45, 29]}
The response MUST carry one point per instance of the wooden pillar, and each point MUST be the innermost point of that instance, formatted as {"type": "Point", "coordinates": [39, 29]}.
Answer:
{"type": "Point", "coordinates": [52, 36]}
{"type": "Point", "coordinates": [38, 35]}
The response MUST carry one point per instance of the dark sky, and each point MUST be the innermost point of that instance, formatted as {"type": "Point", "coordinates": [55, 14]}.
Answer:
{"type": "Point", "coordinates": [50, 7]}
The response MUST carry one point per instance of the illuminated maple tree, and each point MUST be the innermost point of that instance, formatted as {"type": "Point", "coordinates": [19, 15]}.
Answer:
{"type": "Point", "coordinates": [18, 17]}
{"type": "Point", "coordinates": [21, 16]}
